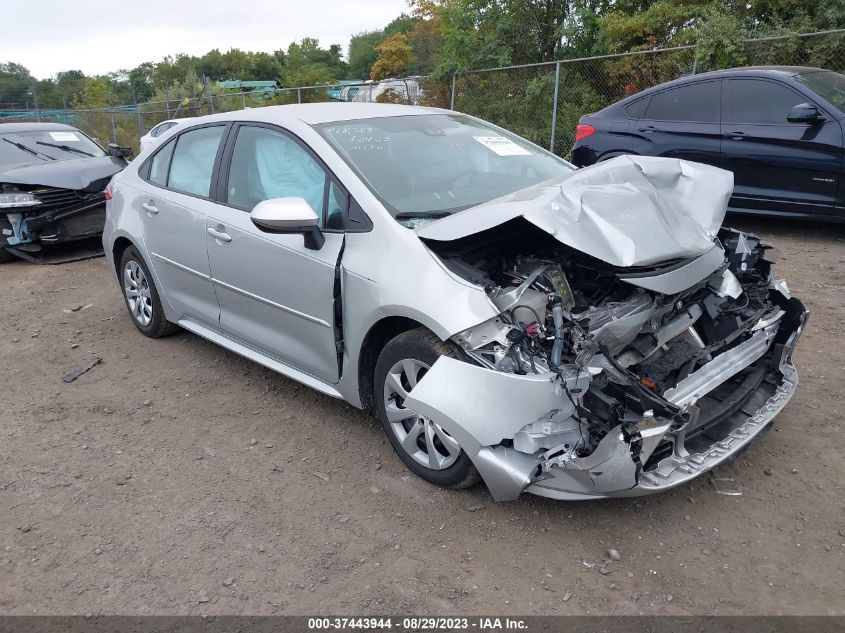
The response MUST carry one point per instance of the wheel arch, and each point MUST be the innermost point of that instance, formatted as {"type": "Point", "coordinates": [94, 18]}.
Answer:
{"type": "Point", "coordinates": [118, 248]}
{"type": "Point", "coordinates": [374, 341]}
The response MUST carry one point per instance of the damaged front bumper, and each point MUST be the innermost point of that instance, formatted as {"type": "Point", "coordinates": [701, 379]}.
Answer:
{"type": "Point", "coordinates": [61, 217]}
{"type": "Point", "coordinates": [640, 457]}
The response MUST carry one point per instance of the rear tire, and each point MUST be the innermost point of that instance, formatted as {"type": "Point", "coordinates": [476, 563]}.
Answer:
{"type": "Point", "coordinates": [425, 448]}
{"type": "Point", "coordinates": [141, 296]}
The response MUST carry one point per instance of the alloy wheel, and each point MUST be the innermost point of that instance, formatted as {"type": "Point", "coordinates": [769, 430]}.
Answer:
{"type": "Point", "coordinates": [137, 291]}
{"type": "Point", "coordinates": [425, 441]}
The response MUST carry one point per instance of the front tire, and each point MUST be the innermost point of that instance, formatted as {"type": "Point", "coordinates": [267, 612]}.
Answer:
{"type": "Point", "coordinates": [141, 296]}
{"type": "Point", "coordinates": [426, 448]}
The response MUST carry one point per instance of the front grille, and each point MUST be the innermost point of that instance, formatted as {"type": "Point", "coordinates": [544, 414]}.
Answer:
{"type": "Point", "coordinates": [54, 199]}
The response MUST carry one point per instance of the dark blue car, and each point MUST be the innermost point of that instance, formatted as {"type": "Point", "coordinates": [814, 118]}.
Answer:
{"type": "Point", "coordinates": [778, 129]}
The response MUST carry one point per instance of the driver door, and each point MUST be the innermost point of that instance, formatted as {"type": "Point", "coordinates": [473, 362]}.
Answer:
{"type": "Point", "coordinates": [275, 295]}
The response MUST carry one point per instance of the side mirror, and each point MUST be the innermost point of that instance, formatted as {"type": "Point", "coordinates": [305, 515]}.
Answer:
{"type": "Point", "coordinates": [119, 152]}
{"type": "Point", "coordinates": [289, 215]}
{"type": "Point", "coordinates": [804, 113]}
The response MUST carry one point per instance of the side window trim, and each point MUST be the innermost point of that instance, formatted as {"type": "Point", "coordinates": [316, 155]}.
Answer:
{"type": "Point", "coordinates": [226, 165]}
{"type": "Point", "coordinates": [720, 83]}
{"type": "Point", "coordinates": [144, 170]}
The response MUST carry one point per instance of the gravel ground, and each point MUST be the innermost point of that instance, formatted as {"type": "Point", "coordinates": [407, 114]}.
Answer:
{"type": "Point", "coordinates": [177, 478]}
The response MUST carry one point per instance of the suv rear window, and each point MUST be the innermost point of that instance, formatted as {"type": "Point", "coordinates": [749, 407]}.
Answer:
{"type": "Point", "coordinates": [697, 103]}
{"type": "Point", "coordinates": [634, 110]}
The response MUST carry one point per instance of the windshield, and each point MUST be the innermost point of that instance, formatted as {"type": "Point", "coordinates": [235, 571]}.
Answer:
{"type": "Point", "coordinates": [438, 164]}
{"type": "Point", "coordinates": [829, 85]}
{"type": "Point", "coordinates": [46, 145]}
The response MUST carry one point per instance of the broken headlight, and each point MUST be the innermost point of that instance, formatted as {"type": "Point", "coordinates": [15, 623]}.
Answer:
{"type": "Point", "coordinates": [17, 199]}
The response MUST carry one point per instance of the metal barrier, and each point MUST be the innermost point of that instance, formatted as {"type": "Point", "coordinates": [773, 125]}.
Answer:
{"type": "Point", "coordinates": [541, 102]}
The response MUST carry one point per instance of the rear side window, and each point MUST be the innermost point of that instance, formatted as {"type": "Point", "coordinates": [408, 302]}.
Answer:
{"type": "Point", "coordinates": [635, 109]}
{"type": "Point", "coordinates": [160, 163]}
{"type": "Point", "coordinates": [161, 129]}
{"type": "Point", "coordinates": [759, 101]}
{"type": "Point", "coordinates": [193, 160]}
{"type": "Point", "coordinates": [696, 103]}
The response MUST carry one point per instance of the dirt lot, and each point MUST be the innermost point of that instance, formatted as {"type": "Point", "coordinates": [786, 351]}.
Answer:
{"type": "Point", "coordinates": [176, 477]}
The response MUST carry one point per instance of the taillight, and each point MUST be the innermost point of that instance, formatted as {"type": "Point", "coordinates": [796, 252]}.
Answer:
{"type": "Point", "coordinates": [107, 192]}
{"type": "Point", "coordinates": [583, 131]}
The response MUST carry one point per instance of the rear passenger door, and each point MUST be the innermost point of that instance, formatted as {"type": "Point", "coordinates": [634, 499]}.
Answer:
{"type": "Point", "coordinates": [683, 122]}
{"type": "Point", "coordinates": [173, 207]}
{"type": "Point", "coordinates": [778, 166]}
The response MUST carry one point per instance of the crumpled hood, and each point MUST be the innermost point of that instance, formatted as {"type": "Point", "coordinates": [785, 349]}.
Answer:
{"type": "Point", "coordinates": [76, 174]}
{"type": "Point", "coordinates": [627, 211]}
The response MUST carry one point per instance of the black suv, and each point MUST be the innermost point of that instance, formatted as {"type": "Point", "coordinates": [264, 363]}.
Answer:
{"type": "Point", "coordinates": [778, 129]}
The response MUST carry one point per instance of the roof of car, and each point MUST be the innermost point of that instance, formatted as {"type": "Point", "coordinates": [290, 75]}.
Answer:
{"type": "Point", "coordinates": [751, 71]}
{"type": "Point", "coordinates": [6, 128]}
{"type": "Point", "coordinates": [788, 71]}
{"type": "Point", "coordinates": [331, 112]}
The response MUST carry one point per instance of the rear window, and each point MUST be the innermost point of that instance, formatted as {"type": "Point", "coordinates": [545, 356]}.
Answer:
{"type": "Point", "coordinates": [635, 109]}
{"type": "Point", "coordinates": [695, 103]}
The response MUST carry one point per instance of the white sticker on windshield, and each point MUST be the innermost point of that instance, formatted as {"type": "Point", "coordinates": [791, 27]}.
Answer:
{"type": "Point", "coordinates": [64, 137]}
{"type": "Point", "coordinates": [502, 146]}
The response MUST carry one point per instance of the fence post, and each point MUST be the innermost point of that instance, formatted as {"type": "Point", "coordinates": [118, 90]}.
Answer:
{"type": "Point", "coordinates": [113, 129]}
{"type": "Point", "coordinates": [299, 95]}
{"type": "Point", "coordinates": [243, 100]}
{"type": "Point", "coordinates": [137, 111]}
{"type": "Point", "coordinates": [208, 94]}
{"type": "Point", "coordinates": [554, 108]}
{"type": "Point", "coordinates": [452, 104]}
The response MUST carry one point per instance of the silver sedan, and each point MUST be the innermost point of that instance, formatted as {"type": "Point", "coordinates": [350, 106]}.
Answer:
{"type": "Point", "coordinates": [570, 333]}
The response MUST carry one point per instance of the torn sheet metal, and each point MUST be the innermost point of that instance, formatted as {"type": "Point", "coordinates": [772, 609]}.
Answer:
{"type": "Point", "coordinates": [501, 405]}
{"type": "Point", "coordinates": [627, 211]}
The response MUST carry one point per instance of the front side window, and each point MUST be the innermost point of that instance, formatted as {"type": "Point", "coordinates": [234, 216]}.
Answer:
{"type": "Point", "coordinates": [268, 164]}
{"type": "Point", "coordinates": [437, 164]}
{"type": "Point", "coordinates": [694, 103]}
{"type": "Point", "coordinates": [192, 164]}
{"type": "Point", "coordinates": [826, 83]}
{"type": "Point", "coordinates": [761, 102]}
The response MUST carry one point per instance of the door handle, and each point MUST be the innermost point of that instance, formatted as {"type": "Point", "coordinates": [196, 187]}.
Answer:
{"type": "Point", "coordinates": [149, 207]}
{"type": "Point", "coordinates": [219, 235]}
{"type": "Point", "coordinates": [736, 136]}
{"type": "Point", "coordinates": [648, 128]}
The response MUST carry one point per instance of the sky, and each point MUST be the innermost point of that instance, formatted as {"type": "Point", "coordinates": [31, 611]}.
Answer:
{"type": "Point", "coordinates": [99, 36]}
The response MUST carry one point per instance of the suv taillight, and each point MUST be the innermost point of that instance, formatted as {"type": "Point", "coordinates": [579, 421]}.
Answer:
{"type": "Point", "coordinates": [107, 192]}
{"type": "Point", "coordinates": [583, 131]}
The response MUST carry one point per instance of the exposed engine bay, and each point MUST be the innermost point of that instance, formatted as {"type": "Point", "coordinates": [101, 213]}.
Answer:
{"type": "Point", "coordinates": [670, 371]}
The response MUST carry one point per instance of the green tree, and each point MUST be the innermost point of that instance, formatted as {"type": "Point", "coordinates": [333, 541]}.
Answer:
{"type": "Point", "coordinates": [394, 57]}
{"type": "Point", "coordinates": [362, 53]}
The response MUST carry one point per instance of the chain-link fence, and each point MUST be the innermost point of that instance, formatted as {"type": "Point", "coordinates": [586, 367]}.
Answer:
{"type": "Point", "coordinates": [541, 102]}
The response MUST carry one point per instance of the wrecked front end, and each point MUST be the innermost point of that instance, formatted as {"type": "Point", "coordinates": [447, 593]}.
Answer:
{"type": "Point", "coordinates": [44, 209]}
{"type": "Point", "coordinates": [602, 380]}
